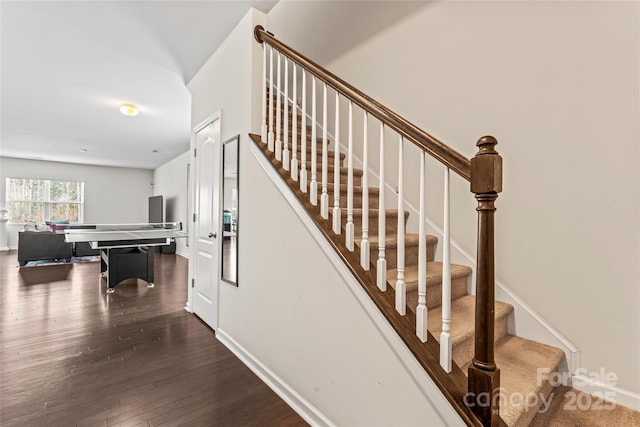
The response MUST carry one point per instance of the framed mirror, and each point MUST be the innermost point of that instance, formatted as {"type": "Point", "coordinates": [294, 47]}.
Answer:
{"type": "Point", "coordinates": [230, 151]}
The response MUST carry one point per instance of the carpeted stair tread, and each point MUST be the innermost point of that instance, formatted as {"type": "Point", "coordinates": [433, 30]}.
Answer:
{"type": "Point", "coordinates": [373, 213]}
{"type": "Point", "coordinates": [459, 279]}
{"type": "Point", "coordinates": [357, 195]}
{"type": "Point", "coordinates": [462, 325]}
{"type": "Point", "coordinates": [411, 248]}
{"type": "Point", "coordinates": [330, 152]}
{"type": "Point", "coordinates": [598, 413]}
{"type": "Point", "coordinates": [343, 171]}
{"type": "Point", "coordinates": [391, 240]}
{"type": "Point", "coordinates": [357, 189]}
{"type": "Point", "coordinates": [518, 360]}
{"type": "Point", "coordinates": [434, 275]}
{"type": "Point", "coordinates": [357, 174]}
{"type": "Point", "coordinates": [462, 317]}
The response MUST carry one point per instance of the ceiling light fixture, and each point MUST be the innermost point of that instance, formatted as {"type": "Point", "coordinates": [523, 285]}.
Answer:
{"type": "Point", "coordinates": [128, 109]}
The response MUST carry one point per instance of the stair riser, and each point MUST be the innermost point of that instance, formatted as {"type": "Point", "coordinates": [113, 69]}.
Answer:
{"type": "Point", "coordinates": [434, 293]}
{"type": "Point", "coordinates": [463, 352]}
{"type": "Point", "coordinates": [357, 181]}
{"type": "Point", "coordinates": [308, 126]}
{"type": "Point", "coordinates": [308, 149]}
{"type": "Point", "coordinates": [356, 173]}
{"type": "Point", "coordinates": [357, 200]}
{"type": "Point", "coordinates": [299, 133]}
{"type": "Point", "coordinates": [330, 154]}
{"type": "Point", "coordinates": [410, 255]}
{"type": "Point", "coordinates": [391, 224]}
{"type": "Point", "coordinates": [526, 417]}
{"type": "Point", "coordinates": [309, 145]}
{"type": "Point", "coordinates": [290, 117]}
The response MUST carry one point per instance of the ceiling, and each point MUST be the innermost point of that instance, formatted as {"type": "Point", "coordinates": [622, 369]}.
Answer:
{"type": "Point", "coordinates": [67, 65]}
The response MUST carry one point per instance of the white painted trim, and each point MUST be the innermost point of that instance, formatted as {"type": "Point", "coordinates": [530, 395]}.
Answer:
{"type": "Point", "coordinates": [608, 392]}
{"type": "Point", "coordinates": [303, 407]}
{"type": "Point", "coordinates": [183, 254]}
{"type": "Point", "coordinates": [439, 403]}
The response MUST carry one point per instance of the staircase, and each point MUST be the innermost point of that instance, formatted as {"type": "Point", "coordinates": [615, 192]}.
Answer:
{"type": "Point", "coordinates": [524, 393]}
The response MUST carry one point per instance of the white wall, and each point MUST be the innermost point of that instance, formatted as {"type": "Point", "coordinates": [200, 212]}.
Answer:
{"type": "Point", "coordinates": [295, 314]}
{"type": "Point", "coordinates": [557, 83]}
{"type": "Point", "coordinates": [170, 182]}
{"type": "Point", "coordinates": [112, 195]}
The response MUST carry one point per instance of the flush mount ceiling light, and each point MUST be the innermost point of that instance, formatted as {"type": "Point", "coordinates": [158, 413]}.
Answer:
{"type": "Point", "coordinates": [128, 109]}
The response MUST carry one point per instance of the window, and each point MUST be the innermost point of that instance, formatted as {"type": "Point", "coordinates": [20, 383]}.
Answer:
{"type": "Point", "coordinates": [42, 200]}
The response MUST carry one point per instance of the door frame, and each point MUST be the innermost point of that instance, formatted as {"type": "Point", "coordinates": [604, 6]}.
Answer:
{"type": "Point", "coordinates": [217, 116]}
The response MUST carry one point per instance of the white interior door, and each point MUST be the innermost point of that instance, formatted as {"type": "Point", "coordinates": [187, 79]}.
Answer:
{"type": "Point", "coordinates": [207, 209]}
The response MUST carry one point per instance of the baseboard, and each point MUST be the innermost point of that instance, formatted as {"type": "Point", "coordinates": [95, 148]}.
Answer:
{"type": "Point", "coordinates": [182, 254]}
{"type": "Point", "coordinates": [607, 391]}
{"type": "Point", "coordinates": [299, 404]}
{"type": "Point", "coordinates": [5, 249]}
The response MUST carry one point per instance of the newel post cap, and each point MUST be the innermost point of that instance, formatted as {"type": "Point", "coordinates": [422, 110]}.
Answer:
{"type": "Point", "coordinates": [486, 167]}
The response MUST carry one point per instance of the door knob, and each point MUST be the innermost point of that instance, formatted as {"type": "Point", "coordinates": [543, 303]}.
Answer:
{"type": "Point", "coordinates": [214, 235]}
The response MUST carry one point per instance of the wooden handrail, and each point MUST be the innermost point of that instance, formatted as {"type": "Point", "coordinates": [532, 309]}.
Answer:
{"type": "Point", "coordinates": [436, 148]}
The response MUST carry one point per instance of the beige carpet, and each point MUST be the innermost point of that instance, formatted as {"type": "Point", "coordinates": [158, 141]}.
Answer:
{"type": "Point", "coordinates": [564, 411]}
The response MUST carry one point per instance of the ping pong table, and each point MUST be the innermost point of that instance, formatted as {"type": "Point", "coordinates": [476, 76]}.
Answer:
{"type": "Point", "coordinates": [126, 250]}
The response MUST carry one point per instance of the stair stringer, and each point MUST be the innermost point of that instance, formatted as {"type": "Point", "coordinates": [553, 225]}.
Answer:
{"type": "Point", "coordinates": [422, 380]}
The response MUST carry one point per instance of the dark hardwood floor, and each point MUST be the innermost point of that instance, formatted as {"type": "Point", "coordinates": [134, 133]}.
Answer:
{"type": "Point", "coordinates": [72, 355]}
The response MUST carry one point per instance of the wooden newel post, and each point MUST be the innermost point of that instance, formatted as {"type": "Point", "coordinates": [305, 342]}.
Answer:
{"type": "Point", "coordinates": [484, 375]}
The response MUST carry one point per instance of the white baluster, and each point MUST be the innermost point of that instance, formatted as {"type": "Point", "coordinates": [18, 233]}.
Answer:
{"type": "Point", "coordinates": [294, 125]}
{"type": "Point", "coordinates": [270, 138]}
{"type": "Point", "coordinates": [364, 244]}
{"type": "Point", "coordinates": [265, 128]}
{"type": "Point", "coordinates": [285, 149]}
{"type": "Point", "coordinates": [337, 226]}
{"type": "Point", "coordinates": [278, 115]}
{"type": "Point", "coordinates": [401, 291]}
{"type": "Point", "coordinates": [421, 310]}
{"type": "Point", "coordinates": [381, 265]}
{"type": "Point", "coordinates": [313, 186]}
{"type": "Point", "coordinates": [349, 229]}
{"type": "Point", "coordinates": [445, 336]}
{"type": "Point", "coordinates": [303, 135]}
{"type": "Point", "coordinates": [324, 198]}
